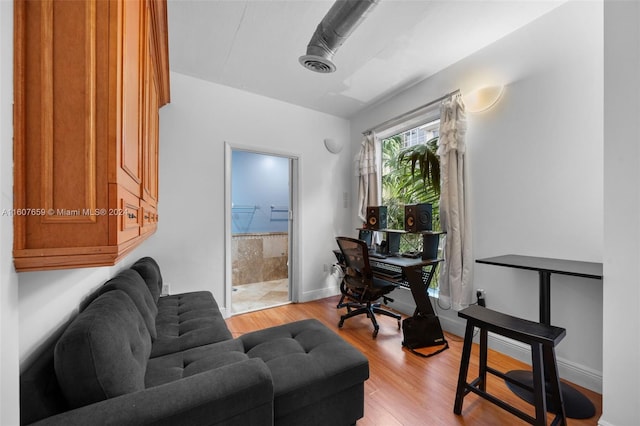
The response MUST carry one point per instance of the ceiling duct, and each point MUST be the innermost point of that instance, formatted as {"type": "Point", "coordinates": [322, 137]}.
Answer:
{"type": "Point", "coordinates": [339, 22]}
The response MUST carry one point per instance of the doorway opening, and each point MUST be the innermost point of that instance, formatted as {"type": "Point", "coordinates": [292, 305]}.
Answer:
{"type": "Point", "coordinates": [259, 229]}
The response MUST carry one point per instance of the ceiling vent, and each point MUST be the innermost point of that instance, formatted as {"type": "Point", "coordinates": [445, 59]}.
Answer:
{"type": "Point", "coordinates": [343, 17]}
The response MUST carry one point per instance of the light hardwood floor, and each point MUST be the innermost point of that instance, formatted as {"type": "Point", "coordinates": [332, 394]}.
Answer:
{"type": "Point", "coordinates": [404, 389]}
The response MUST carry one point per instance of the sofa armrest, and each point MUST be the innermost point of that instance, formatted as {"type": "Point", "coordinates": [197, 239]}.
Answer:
{"type": "Point", "coordinates": [235, 394]}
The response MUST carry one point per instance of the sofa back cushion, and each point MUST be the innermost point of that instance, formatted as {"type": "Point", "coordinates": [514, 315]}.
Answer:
{"type": "Point", "coordinates": [132, 283]}
{"type": "Point", "coordinates": [149, 270]}
{"type": "Point", "coordinates": [104, 351]}
{"type": "Point", "coordinates": [40, 394]}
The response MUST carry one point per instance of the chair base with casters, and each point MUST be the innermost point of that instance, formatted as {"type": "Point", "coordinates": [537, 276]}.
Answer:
{"type": "Point", "coordinates": [370, 309]}
{"type": "Point", "coordinates": [357, 304]}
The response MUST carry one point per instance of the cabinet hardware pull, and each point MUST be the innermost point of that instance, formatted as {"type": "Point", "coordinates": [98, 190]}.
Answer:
{"type": "Point", "coordinates": [131, 216]}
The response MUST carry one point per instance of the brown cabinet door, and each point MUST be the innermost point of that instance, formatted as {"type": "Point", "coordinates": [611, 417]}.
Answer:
{"type": "Point", "coordinates": [130, 143]}
{"type": "Point", "coordinates": [58, 117]}
{"type": "Point", "coordinates": [150, 175]}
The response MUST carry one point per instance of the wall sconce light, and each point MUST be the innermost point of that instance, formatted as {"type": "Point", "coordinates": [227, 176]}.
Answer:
{"type": "Point", "coordinates": [333, 145]}
{"type": "Point", "coordinates": [483, 98]}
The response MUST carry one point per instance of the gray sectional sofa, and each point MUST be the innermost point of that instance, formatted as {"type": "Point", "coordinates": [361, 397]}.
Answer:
{"type": "Point", "coordinates": [132, 357]}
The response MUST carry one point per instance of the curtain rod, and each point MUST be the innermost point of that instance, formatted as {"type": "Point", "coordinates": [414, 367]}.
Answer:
{"type": "Point", "coordinates": [413, 111]}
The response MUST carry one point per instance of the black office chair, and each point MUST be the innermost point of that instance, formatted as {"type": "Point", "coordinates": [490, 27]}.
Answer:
{"type": "Point", "coordinates": [366, 236]}
{"type": "Point", "coordinates": [360, 286]}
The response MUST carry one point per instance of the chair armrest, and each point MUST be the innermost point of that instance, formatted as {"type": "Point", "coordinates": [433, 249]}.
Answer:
{"type": "Point", "coordinates": [235, 394]}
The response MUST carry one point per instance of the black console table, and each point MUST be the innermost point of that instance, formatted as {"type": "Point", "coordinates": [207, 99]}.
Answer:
{"type": "Point", "coordinates": [577, 406]}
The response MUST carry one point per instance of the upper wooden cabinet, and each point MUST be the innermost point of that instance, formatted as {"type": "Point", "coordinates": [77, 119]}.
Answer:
{"type": "Point", "coordinates": [90, 76]}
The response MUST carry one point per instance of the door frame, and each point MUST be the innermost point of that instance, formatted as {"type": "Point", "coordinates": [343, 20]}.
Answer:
{"type": "Point", "coordinates": [293, 228]}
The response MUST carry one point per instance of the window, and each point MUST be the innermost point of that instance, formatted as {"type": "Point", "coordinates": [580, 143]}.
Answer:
{"type": "Point", "coordinates": [400, 187]}
{"type": "Point", "coordinates": [421, 134]}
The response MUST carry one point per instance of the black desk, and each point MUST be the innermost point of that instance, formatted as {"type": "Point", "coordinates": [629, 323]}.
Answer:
{"type": "Point", "coordinates": [545, 267]}
{"type": "Point", "coordinates": [577, 406]}
{"type": "Point", "coordinates": [415, 277]}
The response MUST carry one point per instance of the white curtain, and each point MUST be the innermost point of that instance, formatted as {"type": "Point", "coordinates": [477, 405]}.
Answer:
{"type": "Point", "coordinates": [367, 171]}
{"type": "Point", "coordinates": [455, 272]}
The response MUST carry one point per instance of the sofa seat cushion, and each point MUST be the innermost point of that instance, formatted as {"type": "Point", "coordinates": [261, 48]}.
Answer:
{"type": "Point", "coordinates": [176, 366]}
{"type": "Point", "coordinates": [188, 320]}
{"type": "Point", "coordinates": [104, 351]}
{"type": "Point", "coordinates": [132, 283]}
{"type": "Point", "coordinates": [322, 363]}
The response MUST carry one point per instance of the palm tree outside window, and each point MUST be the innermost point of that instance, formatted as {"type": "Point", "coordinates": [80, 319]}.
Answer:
{"type": "Point", "coordinates": [410, 175]}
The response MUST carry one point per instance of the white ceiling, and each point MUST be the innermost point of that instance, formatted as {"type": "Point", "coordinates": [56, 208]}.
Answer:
{"type": "Point", "coordinates": [254, 45]}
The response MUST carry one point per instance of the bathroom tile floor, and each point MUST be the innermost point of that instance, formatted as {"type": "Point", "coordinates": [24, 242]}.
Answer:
{"type": "Point", "coordinates": [255, 296]}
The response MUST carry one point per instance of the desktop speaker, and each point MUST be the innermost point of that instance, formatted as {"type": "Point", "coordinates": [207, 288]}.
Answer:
{"type": "Point", "coordinates": [417, 217]}
{"type": "Point", "coordinates": [393, 243]}
{"type": "Point", "coordinates": [430, 244]}
{"type": "Point", "coordinates": [366, 236]}
{"type": "Point", "coordinates": [376, 217]}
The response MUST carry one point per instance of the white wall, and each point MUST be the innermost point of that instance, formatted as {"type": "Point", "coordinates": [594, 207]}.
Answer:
{"type": "Point", "coordinates": [201, 117]}
{"type": "Point", "coordinates": [621, 214]}
{"type": "Point", "coordinates": [535, 171]}
{"type": "Point", "coordinates": [8, 279]}
{"type": "Point", "coordinates": [48, 300]}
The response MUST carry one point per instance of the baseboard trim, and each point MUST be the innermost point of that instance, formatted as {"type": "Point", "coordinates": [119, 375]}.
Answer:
{"type": "Point", "coordinates": [319, 294]}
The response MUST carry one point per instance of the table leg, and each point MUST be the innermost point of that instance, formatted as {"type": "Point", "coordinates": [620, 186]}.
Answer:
{"type": "Point", "coordinates": [545, 297]}
{"type": "Point", "coordinates": [420, 289]}
{"type": "Point", "coordinates": [577, 406]}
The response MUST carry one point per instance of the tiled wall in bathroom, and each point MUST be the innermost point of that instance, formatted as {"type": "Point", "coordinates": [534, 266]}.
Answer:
{"type": "Point", "coordinates": [259, 257]}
